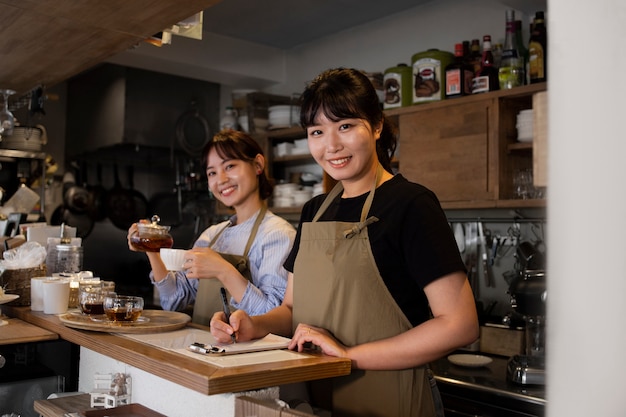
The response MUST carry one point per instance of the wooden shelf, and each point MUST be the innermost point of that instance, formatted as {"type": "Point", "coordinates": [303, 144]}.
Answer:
{"type": "Point", "coordinates": [520, 146]}
{"type": "Point", "coordinates": [465, 150]}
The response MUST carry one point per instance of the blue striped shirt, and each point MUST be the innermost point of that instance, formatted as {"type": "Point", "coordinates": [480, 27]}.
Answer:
{"type": "Point", "coordinates": [269, 250]}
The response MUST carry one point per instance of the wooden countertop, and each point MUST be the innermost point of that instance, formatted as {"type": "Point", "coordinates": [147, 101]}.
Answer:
{"type": "Point", "coordinates": [18, 331]}
{"type": "Point", "coordinates": [194, 374]}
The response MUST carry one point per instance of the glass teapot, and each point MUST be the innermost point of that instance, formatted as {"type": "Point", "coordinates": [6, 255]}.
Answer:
{"type": "Point", "coordinates": [151, 237]}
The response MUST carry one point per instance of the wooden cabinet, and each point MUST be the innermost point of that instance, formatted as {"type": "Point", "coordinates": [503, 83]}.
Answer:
{"type": "Point", "coordinates": [465, 149]}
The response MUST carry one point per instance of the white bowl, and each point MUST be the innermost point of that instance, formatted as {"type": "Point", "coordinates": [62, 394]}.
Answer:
{"type": "Point", "coordinates": [174, 259]}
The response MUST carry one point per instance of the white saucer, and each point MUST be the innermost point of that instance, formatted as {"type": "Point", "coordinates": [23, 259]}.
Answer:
{"type": "Point", "coordinates": [6, 298]}
{"type": "Point", "coordinates": [470, 361]}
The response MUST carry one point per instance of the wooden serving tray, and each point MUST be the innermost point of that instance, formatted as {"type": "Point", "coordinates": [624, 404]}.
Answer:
{"type": "Point", "coordinates": [153, 321]}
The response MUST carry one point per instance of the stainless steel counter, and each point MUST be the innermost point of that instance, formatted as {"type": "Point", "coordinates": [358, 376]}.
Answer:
{"type": "Point", "coordinates": [486, 391]}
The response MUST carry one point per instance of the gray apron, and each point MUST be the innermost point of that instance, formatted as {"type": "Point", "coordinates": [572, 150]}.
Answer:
{"type": "Point", "coordinates": [337, 286]}
{"type": "Point", "coordinates": [208, 297]}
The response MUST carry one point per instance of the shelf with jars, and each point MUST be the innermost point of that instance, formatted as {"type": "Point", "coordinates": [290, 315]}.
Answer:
{"type": "Point", "coordinates": [466, 149]}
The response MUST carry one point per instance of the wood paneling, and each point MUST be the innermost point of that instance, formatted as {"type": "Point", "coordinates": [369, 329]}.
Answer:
{"type": "Point", "coordinates": [45, 42]}
{"type": "Point", "coordinates": [447, 150]}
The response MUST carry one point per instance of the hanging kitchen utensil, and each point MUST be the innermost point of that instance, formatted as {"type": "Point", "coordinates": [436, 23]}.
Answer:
{"type": "Point", "coordinates": [459, 236]}
{"type": "Point", "coordinates": [83, 222]}
{"type": "Point", "coordinates": [483, 255]}
{"type": "Point", "coordinates": [76, 208]}
{"type": "Point", "coordinates": [140, 201]}
{"type": "Point", "coordinates": [121, 204]}
{"type": "Point", "coordinates": [76, 197]}
{"type": "Point", "coordinates": [471, 256]}
{"type": "Point", "coordinates": [98, 193]}
{"type": "Point", "coordinates": [192, 131]}
{"type": "Point", "coordinates": [169, 203]}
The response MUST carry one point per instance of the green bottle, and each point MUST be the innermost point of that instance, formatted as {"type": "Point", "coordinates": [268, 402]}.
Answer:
{"type": "Point", "coordinates": [511, 71]}
{"type": "Point", "coordinates": [521, 48]}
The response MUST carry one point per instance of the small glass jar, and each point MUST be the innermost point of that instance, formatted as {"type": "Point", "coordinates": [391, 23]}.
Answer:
{"type": "Point", "coordinates": [69, 259]}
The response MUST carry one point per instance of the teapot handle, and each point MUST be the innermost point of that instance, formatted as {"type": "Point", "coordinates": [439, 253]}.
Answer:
{"type": "Point", "coordinates": [44, 134]}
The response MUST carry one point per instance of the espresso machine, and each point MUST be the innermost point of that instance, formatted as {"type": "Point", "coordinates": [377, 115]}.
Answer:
{"type": "Point", "coordinates": [528, 298]}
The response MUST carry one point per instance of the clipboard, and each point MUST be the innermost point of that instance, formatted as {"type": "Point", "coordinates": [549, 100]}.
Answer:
{"type": "Point", "coordinates": [269, 342]}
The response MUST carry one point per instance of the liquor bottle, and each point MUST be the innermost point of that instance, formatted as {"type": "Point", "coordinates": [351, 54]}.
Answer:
{"type": "Point", "coordinates": [521, 49]}
{"type": "Point", "coordinates": [511, 69]}
{"type": "Point", "coordinates": [466, 51]}
{"type": "Point", "coordinates": [475, 55]}
{"type": "Point", "coordinates": [537, 57]}
{"type": "Point", "coordinates": [459, 75]}
{"type": "Point", "coordinates": [496, 50]}
{"type": "Point", "coordinates": [487, 78]}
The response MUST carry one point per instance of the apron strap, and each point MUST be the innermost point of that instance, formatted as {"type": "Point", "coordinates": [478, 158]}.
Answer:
{"type": "Point", "coordinates": [338, 188]}
{"type": "Point", "coordinates": [253, 232]}
{"type": "Point", "coordinates": [255, 228]}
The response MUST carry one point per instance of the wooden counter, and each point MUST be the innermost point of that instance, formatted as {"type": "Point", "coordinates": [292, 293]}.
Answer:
{"type": "Point", "coordinates": [18, 331]}
{"type": "Point", "coordinates": [194, 374]}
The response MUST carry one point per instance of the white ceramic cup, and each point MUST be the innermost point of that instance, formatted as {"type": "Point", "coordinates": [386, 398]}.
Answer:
{"type": "Point", "coordinates": [36, 293]}
{"type": "Point", "coordinates": [174, 259]}
{"type": "Point", "coordinates": [56, 296]}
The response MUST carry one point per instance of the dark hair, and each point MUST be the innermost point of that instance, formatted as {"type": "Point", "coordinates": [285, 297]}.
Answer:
{"type": "Point", "coordinates": [346, 93]}
{"type": "Point", "coordinates": [233, 144]}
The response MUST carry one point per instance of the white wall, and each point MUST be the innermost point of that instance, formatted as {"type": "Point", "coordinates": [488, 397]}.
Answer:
{"type": "Point", "coordinates": [160, 395]}
{"type": "Point", "coordinates": [586, 212]}
{"type": "Point", "coordinates": [389, 41]}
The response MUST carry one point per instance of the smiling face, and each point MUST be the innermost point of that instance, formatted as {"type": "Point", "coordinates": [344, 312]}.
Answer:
{"type": "Point", "coordinates": [346, 150]}
{"type": "Point", "coordinates": [234, 182]}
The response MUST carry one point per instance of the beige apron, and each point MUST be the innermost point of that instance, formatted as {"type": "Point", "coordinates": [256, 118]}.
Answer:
{"type": "Point", "coordinates": [208, 297]}
{"type": "Point", "coordinates": [337, 286]}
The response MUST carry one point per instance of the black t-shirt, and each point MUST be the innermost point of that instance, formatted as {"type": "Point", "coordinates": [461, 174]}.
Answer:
{"type": "Point", "coordinates": [412, 242]}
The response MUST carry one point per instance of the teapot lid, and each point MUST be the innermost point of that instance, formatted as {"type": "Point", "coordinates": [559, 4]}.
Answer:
{"type": "Point", "coordinates": [153, 226]}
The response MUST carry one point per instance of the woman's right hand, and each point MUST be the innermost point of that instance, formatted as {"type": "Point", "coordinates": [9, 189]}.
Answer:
{"type": "Point", "coordinates": [240, 325]}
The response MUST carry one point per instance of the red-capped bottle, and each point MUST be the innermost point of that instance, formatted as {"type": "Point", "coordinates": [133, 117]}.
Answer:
{"type": "Point", "coordinates": [487, 78]}
{"type": "Point", "coordinates": [459, 75]}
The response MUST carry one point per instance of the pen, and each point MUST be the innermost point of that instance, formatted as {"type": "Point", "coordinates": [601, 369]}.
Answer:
{"type": "Point", "coordinates": [226, 310]}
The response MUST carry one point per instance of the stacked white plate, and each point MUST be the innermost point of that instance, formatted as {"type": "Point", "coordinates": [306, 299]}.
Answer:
{"type": "Point", "coordinates": [283, 116]}
{"type": "Point", "coordinates": [525, 125]}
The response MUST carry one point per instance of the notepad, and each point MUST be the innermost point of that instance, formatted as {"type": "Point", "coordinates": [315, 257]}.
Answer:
{"type": "Point", "coordinates": [269, 342]}
{"type": "Point", "coordinates": [182, 339]}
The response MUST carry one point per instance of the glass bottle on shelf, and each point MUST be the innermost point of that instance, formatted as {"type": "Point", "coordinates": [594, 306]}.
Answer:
{"type": "Point", "coordinates": [521, 48]}
{"type": "Point", "coordinates": [475, 55]}
{"type": "Point", "coordinates": [537, 57]}
{"type": "Point", "coordinates": [496, 50]}
{"type": "Point", "coordinates": [459, 75]}
{"type": "Point", "coordinates": [487, 78]}
{"type": "Point", "coordinates": [511, 70]}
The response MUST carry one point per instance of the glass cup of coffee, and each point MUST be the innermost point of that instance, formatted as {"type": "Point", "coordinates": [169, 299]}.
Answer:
{"type": "Point", "coordinates": [122, 308]}
{"type": "Point", "coordinates": [91, 299]}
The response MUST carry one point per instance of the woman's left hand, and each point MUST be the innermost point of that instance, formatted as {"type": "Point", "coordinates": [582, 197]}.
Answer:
{"type": "Point", "coordinates": [319, 337]}
{"type": "Point", "coordinates": [204, 263]}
